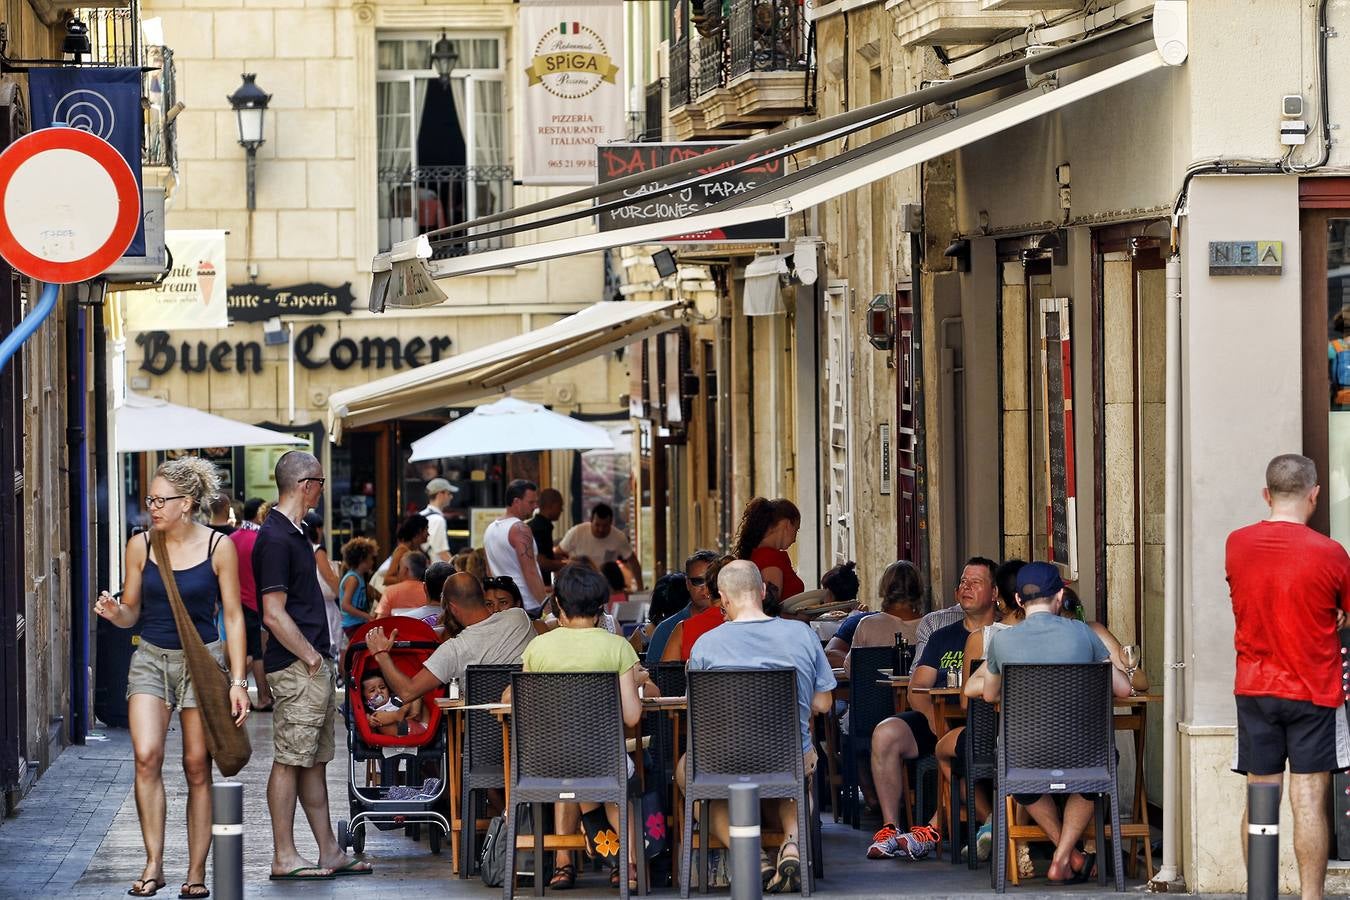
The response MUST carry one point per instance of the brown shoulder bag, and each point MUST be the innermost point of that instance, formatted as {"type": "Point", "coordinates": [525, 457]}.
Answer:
{"type": "Point", "coordinates": [226, 742]}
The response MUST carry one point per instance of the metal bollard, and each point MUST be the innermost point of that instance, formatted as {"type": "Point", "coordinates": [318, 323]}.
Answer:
{"type": "Point", "coordinates": [745, 843]}
{"type": "Point", "coordinates": [1263, 841]}
{"type": "Point", "coordinates": [227, 833]}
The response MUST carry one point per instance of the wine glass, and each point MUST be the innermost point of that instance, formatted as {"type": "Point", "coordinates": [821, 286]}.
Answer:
{"type": "Point", "coordinates": [1129, 654]}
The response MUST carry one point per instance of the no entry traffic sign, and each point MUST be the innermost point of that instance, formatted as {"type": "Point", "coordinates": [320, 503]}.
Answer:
{"type": "Point", "coordinates": [69, 205]}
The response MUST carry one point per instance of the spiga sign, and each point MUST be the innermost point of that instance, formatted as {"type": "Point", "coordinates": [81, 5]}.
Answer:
{"type": "Point", "coordinates": [1246, 257]}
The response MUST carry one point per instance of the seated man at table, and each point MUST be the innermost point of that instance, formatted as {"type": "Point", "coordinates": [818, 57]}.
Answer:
{"type": "Point", "coordinates": [1046, 637]}
{"type": "Point", "coordinates": [579, 644]}
{"type": "Point", "coordinates": [696, 577]}
{"type": "Point", "coordinates": [751, 639]}
{"type": "Point", "coordinates": [913, 734]}
{"type": "Point", "coordinates": [481, 639]}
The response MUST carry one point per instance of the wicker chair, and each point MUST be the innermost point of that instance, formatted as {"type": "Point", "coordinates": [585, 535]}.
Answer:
{"type": "Point", "coordinates": [980, 763]}
{"type": "Point", "coordinates": [868, 704]}
{"type": "Point", "coordinates": [743, 729]}
{"type": "Point", "coordinates": [1056, 736]}
{"type": "Point", "coordinates": [481, 766]}
{"type": "Point", "coordinates": [567, 745]}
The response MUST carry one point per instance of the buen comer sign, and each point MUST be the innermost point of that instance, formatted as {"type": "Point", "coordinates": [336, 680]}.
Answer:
{"type": "Point", "coordinates": [162, 355]}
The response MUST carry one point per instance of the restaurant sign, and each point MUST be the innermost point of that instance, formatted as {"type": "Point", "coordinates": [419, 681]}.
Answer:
{"type": "Point", "coordinates": [161, 354]}
{"type": "Point", "coordinates": [260, 302]}
{"type": "Point", "coordinates": [714, 186]}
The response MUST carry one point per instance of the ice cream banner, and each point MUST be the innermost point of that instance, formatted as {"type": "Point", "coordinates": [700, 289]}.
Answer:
{"type": "Point", "coordinates": [572, 99]}
{"type": "Point", "coordinates": [192, 295]}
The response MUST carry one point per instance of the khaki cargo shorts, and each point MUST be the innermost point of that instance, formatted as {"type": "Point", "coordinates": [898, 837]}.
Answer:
{"type": "Point", "coordinates": [303, 714]}
{"type": "Point", "coordinates": [164, 674]}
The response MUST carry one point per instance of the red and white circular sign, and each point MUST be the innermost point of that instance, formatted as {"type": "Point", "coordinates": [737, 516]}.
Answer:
{"type": "Point", "coordinates": [69, 205]}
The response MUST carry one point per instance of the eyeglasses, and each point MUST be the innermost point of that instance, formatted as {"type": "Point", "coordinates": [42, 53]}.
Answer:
{"type": "Point", "coordinates": [319, 480]}
{"type": "Point", "coordinates": [158, 502]}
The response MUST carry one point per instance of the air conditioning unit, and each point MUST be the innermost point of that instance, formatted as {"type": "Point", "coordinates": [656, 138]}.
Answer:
{"type": "Point", "coordinates": [155, 264]}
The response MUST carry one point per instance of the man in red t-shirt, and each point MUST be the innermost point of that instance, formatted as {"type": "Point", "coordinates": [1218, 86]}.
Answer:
{"type": "Point", "coordinates": [244, 538]}
{"type": "Point", "coordinates": [1291, 591]}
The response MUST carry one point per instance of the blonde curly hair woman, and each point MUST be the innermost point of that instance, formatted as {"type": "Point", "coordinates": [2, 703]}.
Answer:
{"type": "Point", "coordinates": [205, 568]}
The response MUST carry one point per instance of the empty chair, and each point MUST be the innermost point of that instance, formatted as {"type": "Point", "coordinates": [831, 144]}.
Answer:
{"type": "Point", "coordinates": [979, 762]}
{"type": "Point", "coordinates": [481, 763]}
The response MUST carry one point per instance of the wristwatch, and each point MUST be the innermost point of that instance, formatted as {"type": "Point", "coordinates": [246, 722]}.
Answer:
{"type": "Point", "coordinates": [239, 682]}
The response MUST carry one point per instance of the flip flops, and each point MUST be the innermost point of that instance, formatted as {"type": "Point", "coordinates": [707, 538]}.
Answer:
{"type": "Point", "coordinates": [317, 874]}
{"type": "Point", "coordinates": [353, 867]}
{"type": "Point", "coordinates": [189, 891]}
{"type": "Point", "coordinates": [145, 889]}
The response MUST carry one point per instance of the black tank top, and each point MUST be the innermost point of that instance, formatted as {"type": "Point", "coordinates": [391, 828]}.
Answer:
{"type": "Point", "coordinates": [200, 592]}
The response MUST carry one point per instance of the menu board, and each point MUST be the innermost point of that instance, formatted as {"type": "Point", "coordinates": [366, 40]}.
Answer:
{"type": "Point", "coordinates": [1057, 403]}
{"type": "Point", "coordinates": [714, 186]}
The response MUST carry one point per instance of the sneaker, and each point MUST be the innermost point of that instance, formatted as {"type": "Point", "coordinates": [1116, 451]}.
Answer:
{"type": "Point", "coordinates": [889, 842]}
{"type": "Point", "coordinates": [984, 841]}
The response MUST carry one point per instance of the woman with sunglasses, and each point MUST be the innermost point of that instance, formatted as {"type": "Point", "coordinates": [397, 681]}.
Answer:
{"type": "Point", "coordinates": [205, 569]}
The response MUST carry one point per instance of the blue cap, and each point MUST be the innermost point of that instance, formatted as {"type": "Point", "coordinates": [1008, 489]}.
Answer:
{"type": "Point", "coordinates": [1038, 580]}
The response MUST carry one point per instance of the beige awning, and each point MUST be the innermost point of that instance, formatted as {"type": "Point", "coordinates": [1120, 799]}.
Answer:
{"type": "Point", "coordinates": [497, 368]}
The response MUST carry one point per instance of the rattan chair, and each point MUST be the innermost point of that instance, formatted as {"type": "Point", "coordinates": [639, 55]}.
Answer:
{"type": "Point", "coordinates": [1056, 736]}
{"type": "Point", "coordinates": [744, 729]}
{"type": "Point", "coordinates": [481, 766]}
{"type": "Point", "coordinates": [868, 704]}
{"type": "Point", "coordinates": [567, 745]}
{"type": "Point", "coordinates": [979, 763]}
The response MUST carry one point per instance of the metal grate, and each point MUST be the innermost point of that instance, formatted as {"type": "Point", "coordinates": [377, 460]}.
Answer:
{"type": "Point", "coordinates": [768, 36]}
{"type": "Point", "coordinates": [416, 200]}
{"type": "Point", "coordinates": [114, 36]}
{"type": "Point", "coordinates": [712, 50]}
{"type": "Point", "coordinates": [653, 116]}
{"type": "Point", "coordinates": [681, 90]}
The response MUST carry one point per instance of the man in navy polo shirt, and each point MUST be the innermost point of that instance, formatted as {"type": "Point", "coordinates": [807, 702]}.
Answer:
{"type": "Point", "coordinates": [304, 699]}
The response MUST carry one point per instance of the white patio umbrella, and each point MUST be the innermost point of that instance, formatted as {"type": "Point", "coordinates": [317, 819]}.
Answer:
{"type": "Point", "coordinates": [509, 426]}
{"type": "Point", "coordinates": [145, 423]}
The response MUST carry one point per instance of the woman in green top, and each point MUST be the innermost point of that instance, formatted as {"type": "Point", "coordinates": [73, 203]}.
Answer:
{"type": "Point", "coordinates": [579, 645]}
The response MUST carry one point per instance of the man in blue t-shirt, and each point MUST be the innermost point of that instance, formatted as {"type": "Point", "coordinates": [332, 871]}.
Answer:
{"type": "Point", "coordinates": [749, 639]}
{"type": "Point", "coordinates": [1046, 637]}
{"type": "Point", "coordinates": [913, 734]}
{"type": "Point", "coordinates": [696, 577]}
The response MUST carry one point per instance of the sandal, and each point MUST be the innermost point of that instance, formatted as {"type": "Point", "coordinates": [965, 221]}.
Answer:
{"type": "Point", "coordinates": [632, 876]}
{"type": "Point", "coordinates": [149, 887]}
{"type": "Point", "coordinates": [194, 890]}
{"type": "Point", "coordinates": [564, 878]}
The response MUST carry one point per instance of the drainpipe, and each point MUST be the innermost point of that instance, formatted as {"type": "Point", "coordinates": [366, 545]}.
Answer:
{"type": "Point", "coordinates": [31, 322]}
{"type": "Point", "coordinates": [1168, 878]}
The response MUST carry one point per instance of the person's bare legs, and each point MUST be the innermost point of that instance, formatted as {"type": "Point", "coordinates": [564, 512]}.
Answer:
{"type": "Point", "coordinates": [282, 791]}
{"type": "Point", "coordinates": [260, 679]}
{"type": "Point", "coordinates": [149, 721]}
{"type": "Point", "coordinates": [567, 820]}
{"type": "Point", "coordinates": [1064, 833]}
{"type": "Point", "coordinates": [892, 744]}
{"type": "Point", "coordinates": [1308, 797]}
{"type": "Point", "coordinates": [197, 769]}
{"type": "Point", "coordinates": [312, 783]}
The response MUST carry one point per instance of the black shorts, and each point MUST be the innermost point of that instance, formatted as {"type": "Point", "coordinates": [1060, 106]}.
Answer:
{"type": "Point", "coordinates": [253, 633]}
{"type": "Point", "coordinates": [923, 733]}
{"type": "Point", "coordinates": [1273, 730]}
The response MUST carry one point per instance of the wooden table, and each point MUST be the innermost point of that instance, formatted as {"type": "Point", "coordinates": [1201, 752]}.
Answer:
{"type": "Point", "coordinates": [454, 712]}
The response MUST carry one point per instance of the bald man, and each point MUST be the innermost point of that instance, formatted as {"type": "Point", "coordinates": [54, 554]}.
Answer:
{"type": "Point", "coordinates": [749, 639]}
{"type": "Point", "coordinates": [486, 638]}
{"type": "Point", "coordinates": [551, 557]}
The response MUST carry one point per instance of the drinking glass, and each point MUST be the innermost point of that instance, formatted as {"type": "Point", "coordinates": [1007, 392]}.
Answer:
{"type": "Point", "coordinates": [1130, 655]}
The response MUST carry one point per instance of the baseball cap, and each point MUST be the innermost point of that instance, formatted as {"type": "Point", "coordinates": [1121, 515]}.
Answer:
{"type": "Point", "coordinates": [436, 485]}
{"type": "Point", "coordinates": [1038, 580]}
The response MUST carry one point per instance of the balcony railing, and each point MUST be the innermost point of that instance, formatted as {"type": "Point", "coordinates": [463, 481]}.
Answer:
{"type": "Point", "coordinates": [768, 36]}
{"type": "Point", "coordinates": [652, 112]}
{"type": "Point", "coordinates": [160, 91]}
{"type": "Point", "coordinates": [680, 82]}
{"type": "Point", "coordinates": [712, 62]}
{"type": "Point", "coordinates": [416, 200]}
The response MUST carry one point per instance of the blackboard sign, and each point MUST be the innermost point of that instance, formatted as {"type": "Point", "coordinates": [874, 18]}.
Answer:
{"type": "Point", "coordinates": [260, 302]}
{"type": "Point", "coordinates": [618, 160]}
{"type": "Point", "coordinates": [1057, 396]}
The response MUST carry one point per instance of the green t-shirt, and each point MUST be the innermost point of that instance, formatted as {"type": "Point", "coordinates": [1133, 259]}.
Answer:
{"type": "Point", "coordinates": [579, 650]}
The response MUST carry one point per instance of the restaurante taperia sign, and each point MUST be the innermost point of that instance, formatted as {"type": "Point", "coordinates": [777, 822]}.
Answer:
{"type": "Point", "coordinates": [260, 302]}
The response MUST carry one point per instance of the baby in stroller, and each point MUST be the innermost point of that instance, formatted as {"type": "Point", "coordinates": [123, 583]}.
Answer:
{"type": "Point", "coordinates": [388, 714]}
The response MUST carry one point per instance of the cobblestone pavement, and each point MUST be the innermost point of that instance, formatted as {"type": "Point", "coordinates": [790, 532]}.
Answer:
{"type": "Point", "coordinates": [77, 835]}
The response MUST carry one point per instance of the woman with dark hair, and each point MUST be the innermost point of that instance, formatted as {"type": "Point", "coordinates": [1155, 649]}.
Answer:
{"type": "Point", "coordinates": [767, 529]}
{"type": "Point", "coordinates": [412, 534]}
{"type": "Point", "coordinates": [502, 592]}
{"type": "Point", "coordinates": [902, 605]}
{"type": "Point", "coordinates": [618, 585]}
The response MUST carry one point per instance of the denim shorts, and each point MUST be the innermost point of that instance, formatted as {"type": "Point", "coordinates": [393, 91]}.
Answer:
{"type": "Point", "coordinates": [164, 674]}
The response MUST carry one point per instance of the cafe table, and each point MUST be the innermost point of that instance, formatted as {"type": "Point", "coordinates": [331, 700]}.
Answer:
{"type": "Point", "coordinates": [454, 712]}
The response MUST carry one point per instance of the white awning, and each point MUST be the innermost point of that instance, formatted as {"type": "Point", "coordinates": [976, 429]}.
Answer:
{"type": "Point", "coordinates": [145, 423]}
{"type": "Point", "coordinates": [832, 178]}
{"type": "Point", "coordinates": [497, 368]}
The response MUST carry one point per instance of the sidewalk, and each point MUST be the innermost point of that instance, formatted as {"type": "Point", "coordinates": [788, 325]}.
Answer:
{"type": "Point", "coordinates": [77, 835]}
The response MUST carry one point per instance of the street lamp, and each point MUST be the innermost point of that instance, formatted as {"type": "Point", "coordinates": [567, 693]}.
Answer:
{"type": "Point", "coordinates": [443, 59]}
{"type": "Point", "coordinates": [250, 107]}
{"type": "Point", "coordinates": [76, 42]}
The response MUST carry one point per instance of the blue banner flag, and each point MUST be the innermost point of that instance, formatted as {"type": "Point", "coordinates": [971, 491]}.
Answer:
{"type": "Point", "coordinates": [102, 101]}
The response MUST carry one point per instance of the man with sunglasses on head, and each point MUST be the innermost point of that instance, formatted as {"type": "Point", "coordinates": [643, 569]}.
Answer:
{"type": "Point", "coordinates": [700, 598]}
{"type": "Point", "coordinates": [304, 699]}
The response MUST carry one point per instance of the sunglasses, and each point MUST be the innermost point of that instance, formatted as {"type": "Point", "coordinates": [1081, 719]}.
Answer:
{"type": "Point", "coordinates": [497, 581]}
{"type": "Point", "coordinates": [697, 581]}
{"type": "Point", "coordinates": [319, 480]}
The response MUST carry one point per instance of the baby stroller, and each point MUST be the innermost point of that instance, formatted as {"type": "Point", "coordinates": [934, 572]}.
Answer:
{"type": "Point", "coordinates": [386, 806]}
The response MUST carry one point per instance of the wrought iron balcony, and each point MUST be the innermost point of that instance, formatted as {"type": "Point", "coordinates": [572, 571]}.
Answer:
{"type": "Point", "coordinates": [160, 92]}
{"type": "Point", "coordinates": [712, 58]}
{"type": "Point", "coordinates": [768, 36]}
{"type": "Point", "coordinates": [681, 92]}
{"type": "Point", "coordinates": [415, 200]}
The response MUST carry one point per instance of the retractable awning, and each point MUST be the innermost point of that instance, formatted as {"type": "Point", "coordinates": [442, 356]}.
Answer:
{"type": "Point", "coordinates": [497, 368]}
{"type": "Point", "coordinates": [833, 177]}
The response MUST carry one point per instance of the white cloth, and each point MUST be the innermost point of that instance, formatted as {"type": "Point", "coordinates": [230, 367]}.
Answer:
{"type": "Point", "coordinates": [438, 541]}
{"type": "Point", "coordinates": [581, 541]}
{"type": "Point", "coordinates": [502, 559]}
